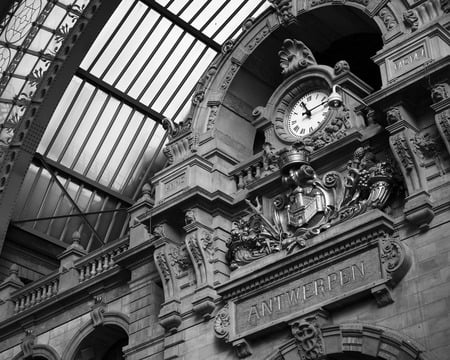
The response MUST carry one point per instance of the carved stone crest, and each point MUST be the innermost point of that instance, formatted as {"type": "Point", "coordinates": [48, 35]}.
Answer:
{"type": "Point", "coordinates": [294, 56]}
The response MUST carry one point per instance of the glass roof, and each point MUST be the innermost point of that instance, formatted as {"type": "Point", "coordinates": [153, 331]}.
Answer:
{"type": "Point", "coordinates": [105, 137]}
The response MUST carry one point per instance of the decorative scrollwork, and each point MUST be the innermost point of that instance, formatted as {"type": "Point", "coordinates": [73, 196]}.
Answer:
{"type": "Point", "coordinates": [164, 267]}
{"type": "Point", "coordinates": [294, 56]}
{"type": "Point", "coordinates": [411, 19]}
{"type": "Point", "coordinates": [222, 323]}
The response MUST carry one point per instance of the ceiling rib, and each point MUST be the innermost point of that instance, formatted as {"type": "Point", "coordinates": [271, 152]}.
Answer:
{"type": "Point", "coordinates": [183, 24]}
{"type": "Point", "coordinates": [119, 95]}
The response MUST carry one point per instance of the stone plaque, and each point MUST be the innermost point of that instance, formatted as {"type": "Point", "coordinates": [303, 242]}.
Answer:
{"type": "Point", "coordinates": [175, 184]}
{"type": "Point", "coordinates": [408, 61]}
{"type": "Point", "coordinates": [318, 288]}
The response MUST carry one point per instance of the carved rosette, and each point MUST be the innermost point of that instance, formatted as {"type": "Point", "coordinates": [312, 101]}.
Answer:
{"type": "Point", "coordinates": [309, 338]}
{"type": "Point", "coordinates": [98, 309]}
{"type": "Point", "coordinates": [294, 56]}
{"type": "Point", "coordinates": [222, 323]}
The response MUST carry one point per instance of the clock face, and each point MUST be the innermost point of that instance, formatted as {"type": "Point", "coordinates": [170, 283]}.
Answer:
{"type": "Point", "coordinates": [308, 113]}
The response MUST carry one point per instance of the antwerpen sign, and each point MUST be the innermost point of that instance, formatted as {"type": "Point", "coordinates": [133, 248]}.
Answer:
{"type": "Point", "coordinates": [320, 287]}
{"type": "Point", "coordinates": [338, 268]}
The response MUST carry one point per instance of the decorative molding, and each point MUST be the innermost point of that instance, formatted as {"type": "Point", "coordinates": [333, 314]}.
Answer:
{"type": "Point", "coordinates": [227, 46]}
{"type": "Point", "coordinates": [387, 16]}
{"type": "Point", "coordinates": [259, 37]}
{"type": "Point", "coordinates": [283, 9]}
{"type": "Point", "coordinates": [234, 67]}
{"type": "Point", "coordinates": [98, 310]}
{"type": "Point", "coordinates": [212, 116]}
{"type": "Point", "coordinates": [295, 56]}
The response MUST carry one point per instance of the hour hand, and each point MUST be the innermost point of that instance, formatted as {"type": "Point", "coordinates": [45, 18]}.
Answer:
{"type": "Point", "coordinates": [306, 112]}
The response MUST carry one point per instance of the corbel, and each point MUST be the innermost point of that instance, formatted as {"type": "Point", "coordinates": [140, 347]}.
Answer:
{"type": "Point", "coordinates": [308, 334]}
{"type": "Point", "coordinates": [27, 344]}
{"type": "Point", "coordinates": [440, 95]}
{"type": "Point", "coordinates": [98, 309]}
{"type": "Point", "coordinates": [200, 246]}
{"type": "Point", "coordinates": [170, 313]}
{"type": "Point", "coordinates": [418, 206]}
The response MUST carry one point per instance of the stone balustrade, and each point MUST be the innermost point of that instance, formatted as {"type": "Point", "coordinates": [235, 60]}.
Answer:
{"type": "Point", "coordinates": [36, 293]}
{"type": "Point", "coordinates": [100, 261]}
{"type": "Point", "coordinates": [256, 168]}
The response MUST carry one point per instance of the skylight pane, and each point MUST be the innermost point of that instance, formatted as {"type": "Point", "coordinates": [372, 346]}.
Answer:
{"type": "Point", "coordinates": [71, 120]}
{"type": "Point", "coordinates": [110, 52]}
{"type": "Point", "coordinates": [58, 115]}
{"type": "Point", "coordinates": [106, 32]}
{"type": "Point", "coordinates": [149, 72]}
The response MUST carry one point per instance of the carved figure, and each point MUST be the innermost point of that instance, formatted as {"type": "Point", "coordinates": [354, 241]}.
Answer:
{"type": "Point", "coordinates": [270, 159]}
{"type": "Point", "coordinates": [341, 67]}
{"type": "Point", "coordinates": [189, 216]}
{"type": "Point", "coordinates": [294, 56]}
{"type": "Point", "coordinates": [283, 9]}
{"type": "Point", "coordinates": [439, 92]}
{"type": "Point", "coordinates": [393, 115]}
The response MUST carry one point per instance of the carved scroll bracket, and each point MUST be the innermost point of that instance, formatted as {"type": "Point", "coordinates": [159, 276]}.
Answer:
{"type": "Point", "coordinates": [307, 332]}
{"type": "Point", "coordinates": [27, 344]}
{"type": "Point", "coordinates": [418, 206]}
{"type": "Point", "coordinates": [395, 259]}
{"type": "Point", "coordinates": [98, 309]}
{"type": "Point", "coordinates": [440, 95]}
{"type": "Point", "coordinates": [199, 243]}
{"type": "Point", "coordinates": [170, 314]}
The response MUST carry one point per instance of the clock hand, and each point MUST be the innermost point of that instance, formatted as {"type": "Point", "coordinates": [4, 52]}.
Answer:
{"type": "Point", "coordinates": [307, 112]}
{"type": "Point", "coordinates": [315, 107]}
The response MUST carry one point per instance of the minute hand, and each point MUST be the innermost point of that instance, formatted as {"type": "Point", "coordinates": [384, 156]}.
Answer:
{"type": "Point", "coordinates": [315, 107]}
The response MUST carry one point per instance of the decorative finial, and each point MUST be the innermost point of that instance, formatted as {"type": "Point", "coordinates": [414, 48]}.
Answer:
{"type": "Point", "coordinates": [76, 236]}
{"type": "Point", "coordinates": [14, 270]}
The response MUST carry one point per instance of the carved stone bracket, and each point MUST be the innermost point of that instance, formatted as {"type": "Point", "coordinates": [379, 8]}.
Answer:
{"type": "Point", "coordinates": [382, 295]}
{"type": "Point", "coordinates": [170, 314]}
{"type": "Point", "coordinates": [394, 259]}
{"type": "Point", "coordinates": [308, 335]}
{"type": "Point", "coordinates": [222, 323]}
{"type": "Point", "coordinates": [181, 148]}
{"type": "Point", "coordinates": [418, 209]}
{"type": "Point", "coordinates": [440, 94]}
{"type": "Point", "coordinates": [27, 344]}
{"type": "Point", "coordinates": [98, 309]}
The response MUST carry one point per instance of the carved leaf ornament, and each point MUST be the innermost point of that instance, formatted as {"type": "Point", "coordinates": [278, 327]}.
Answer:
{"type": "Point", "coordinates": [222, 323]}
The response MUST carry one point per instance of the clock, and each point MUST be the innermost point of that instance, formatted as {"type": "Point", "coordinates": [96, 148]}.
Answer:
{"type": "Point", "coordinates": [307, 113]}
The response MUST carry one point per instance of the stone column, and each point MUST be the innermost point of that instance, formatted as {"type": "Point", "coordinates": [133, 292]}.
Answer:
{"type": "Point", "coordinates": [69, 276]}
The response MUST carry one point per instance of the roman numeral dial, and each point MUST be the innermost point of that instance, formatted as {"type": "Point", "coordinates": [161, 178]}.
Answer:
{"type": "Point", "coordinates": [308, 113]}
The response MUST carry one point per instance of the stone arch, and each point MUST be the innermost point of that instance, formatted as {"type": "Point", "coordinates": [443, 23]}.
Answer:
{"type": "Point", "coordinates": [41, 351]}
{"type": "Point", "coordinates": [114, 319]}
{"type": "Point", "coordinates": [364, 340]}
